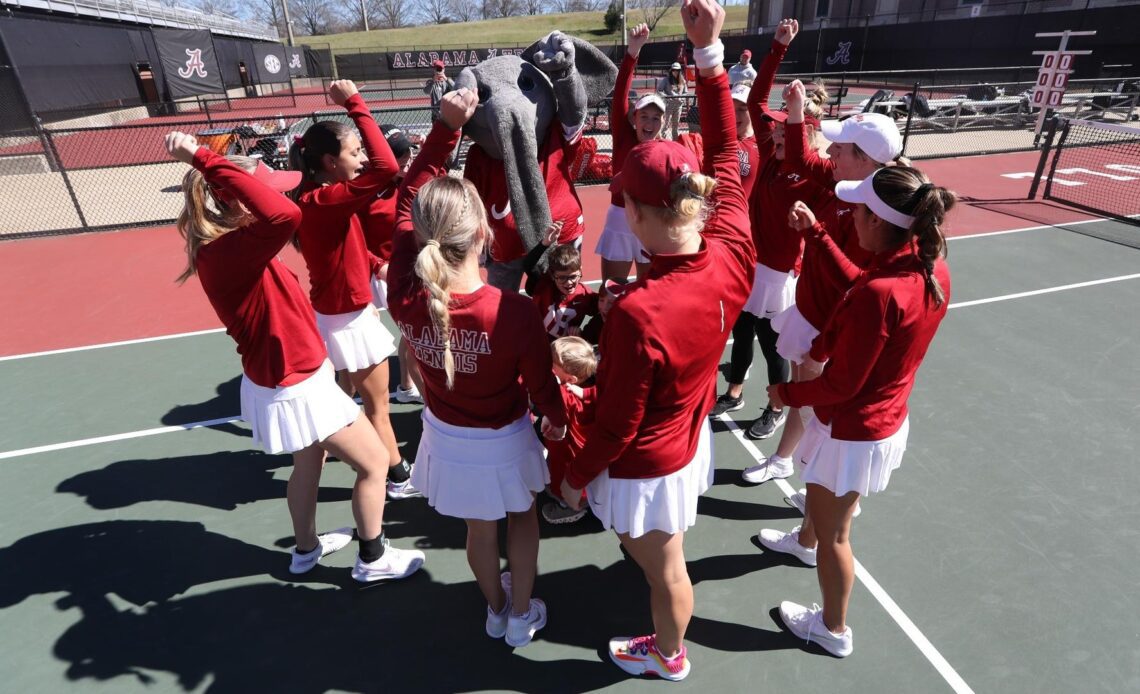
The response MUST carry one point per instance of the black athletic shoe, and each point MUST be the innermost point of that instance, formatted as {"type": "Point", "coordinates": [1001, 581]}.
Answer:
{"type": "Point", "coordinates": [727, 403]}
{"type": "Point", "coordinates": [770, 420]}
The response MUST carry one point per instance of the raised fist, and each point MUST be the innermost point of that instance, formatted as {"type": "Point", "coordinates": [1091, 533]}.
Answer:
{"type": "Point", "coordinates": [786, 30]}
{"type": "Point", "coordinates": [341, 91]}
{"type": "Point", "coordinates": [181, 146]}
{"type": "Point", "coordinates": [703, 20]}
{"type": "Point", "coordinates": [638, 37]}
{"type": "Point", "coordinates": [457, 107]}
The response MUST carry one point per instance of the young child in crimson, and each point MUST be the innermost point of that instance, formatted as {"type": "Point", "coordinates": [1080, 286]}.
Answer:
{"type": "Point", "coordinates": [611, 291]}
{"type": "Point", "coordinates": [574, 363]}
{"type": "Point", "coordinates": [561, 297]}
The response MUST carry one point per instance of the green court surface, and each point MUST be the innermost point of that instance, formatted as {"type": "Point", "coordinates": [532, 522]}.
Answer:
{"type": "Point", "coordinates": [1001, 558]}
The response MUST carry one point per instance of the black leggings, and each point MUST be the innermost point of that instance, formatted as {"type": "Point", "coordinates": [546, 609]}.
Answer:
{"type": "Point", "coordinates": [779, 371]}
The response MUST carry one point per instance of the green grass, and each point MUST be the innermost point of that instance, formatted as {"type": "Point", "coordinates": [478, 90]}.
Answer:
{"type": "Point", "coordinates": [504, 32]}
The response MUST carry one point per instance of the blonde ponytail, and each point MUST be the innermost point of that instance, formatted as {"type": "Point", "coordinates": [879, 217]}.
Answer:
{"type": "Point", "coordinates": [203, 217]}
{"type": "Point", "coordinates": [447, 215]}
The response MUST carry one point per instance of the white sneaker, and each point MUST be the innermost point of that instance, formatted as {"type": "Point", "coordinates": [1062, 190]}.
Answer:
{"type": "Point", "coordinates": [521, 628]}
{"type": "Point", "coordinates": [807, 623]}
{"type": "Point", "coordinates": [402, 490]}
{"type": "Point", "coordinates": [788, 543]}
{"type": "Point", "coordinates": [409, 396]}
{"type": "Point", "coordinates": [394, 564]}
{"type": "Point", "coordinates": [497, 622]}
{"type": "Point", "coordinates": [799, 500]}
{"type": "Point", "coordinates": [772, 468]}
{"type": "Point", "coordinates": [329, 543]}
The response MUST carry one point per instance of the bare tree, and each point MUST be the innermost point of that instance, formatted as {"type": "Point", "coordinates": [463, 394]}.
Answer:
{"type": "Point", "coordinates": [579, 5]}
{"type": "Point", "coordinates": [390, 14]}
{"type": "Point", "coordinates": [269, 12]}
{"type": "Point", "coordinates": [493, 9]}
{"type": "Point", "coordinates": [216, 7]}
{"type": "Point", "coordinates": [463, 10]}
{"type": "Point", "coordinates": [312, 16]}
{"type": "Point", "coordinates": [653, 10]}
{"type": "Point", "coordinates": [352, 14]}
{"type": "Point", "coordinates": [437, 11]}
{"type": "Point", "coordinates": [533, 7]}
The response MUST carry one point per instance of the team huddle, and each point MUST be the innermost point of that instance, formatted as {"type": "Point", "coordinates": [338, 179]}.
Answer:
{"type": "Point", "coordinates": [834, 262]}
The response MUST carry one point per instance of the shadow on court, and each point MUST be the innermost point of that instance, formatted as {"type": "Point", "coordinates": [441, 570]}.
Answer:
{"type": "Point", "coordinates": [328, 632]}
{"type": "Point", "coordinates": [226, 403]}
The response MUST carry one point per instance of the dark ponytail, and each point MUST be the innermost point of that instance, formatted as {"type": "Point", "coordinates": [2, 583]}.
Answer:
{"type": "Point", "coordinates": [306, 154]}
{"type": "Point", "coordinates": [909, 191]}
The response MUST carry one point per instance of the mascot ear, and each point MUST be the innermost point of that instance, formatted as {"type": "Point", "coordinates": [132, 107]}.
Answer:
{"type": "Point", "coordinates": [598, 72]}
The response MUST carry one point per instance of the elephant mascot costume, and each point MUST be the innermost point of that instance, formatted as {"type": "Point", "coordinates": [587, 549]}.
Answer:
{"type": "Point", "coordinates": [527, 128]}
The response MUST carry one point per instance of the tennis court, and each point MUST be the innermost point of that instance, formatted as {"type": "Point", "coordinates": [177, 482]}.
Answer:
{"type": "Point", "coordinates": [143, 543]}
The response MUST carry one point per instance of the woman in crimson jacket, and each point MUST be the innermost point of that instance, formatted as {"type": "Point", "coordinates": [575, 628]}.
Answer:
{"type": "Point", "coordinates": [235, 222]}
{"type": "Point", "coordinates": [873, 345]}
{"type": "Point", "coordinates": [649, 459]}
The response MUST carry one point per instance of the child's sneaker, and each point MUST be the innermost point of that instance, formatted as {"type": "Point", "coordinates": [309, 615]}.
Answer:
{"type": "Point", "coordinates": [639, 656]}
{"type": "Point", "coordinates": [807, 623]}
{"type": "Point", "coordinates": [521, 628]}
{"type": "Point", "coordinates": [558, 513]}
{"type": "Point", "coordinates": [497, 621]}
{"type": "Point", "coordinates": [329, 543]}
{"type": "Point", "coordinates": [394, 564]}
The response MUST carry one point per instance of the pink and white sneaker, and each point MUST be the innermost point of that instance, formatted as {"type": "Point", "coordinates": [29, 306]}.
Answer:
{"type": "Point", "coordinates": [638, 655]}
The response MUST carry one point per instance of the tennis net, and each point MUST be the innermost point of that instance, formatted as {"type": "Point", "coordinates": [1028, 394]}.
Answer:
{"type": "Point", "coordinates": [1096, 167]}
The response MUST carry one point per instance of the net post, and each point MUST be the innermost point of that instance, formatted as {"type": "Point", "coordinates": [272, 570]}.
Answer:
{"type": "Point", "coordinates": [1056, 157]}
{"type": "Point", "coordinates": [910, 115]}
{"type": "Point", "coordinates": [1052, 132]}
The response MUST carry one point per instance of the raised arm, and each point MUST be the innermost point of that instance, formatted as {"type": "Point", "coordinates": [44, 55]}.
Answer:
{"type": "Point", "coordinates": [799, 157]}
{"type": "Point", "coordinates": [840, 270]}
{"type": "Point", "coordinates": [455, 109]}
{"type": "Point", "coordinates": [555, 57]}
{"type": "Point", "coordinates": [382, 166]}
{"type": "Point", "coordinates": [277, 216]}
{"type": "Point", "coordinates": [624, 135]}
{"type": "Point", "coordinates": [729, 222]}
{"type": "Point", "coordinates": [762, 87]}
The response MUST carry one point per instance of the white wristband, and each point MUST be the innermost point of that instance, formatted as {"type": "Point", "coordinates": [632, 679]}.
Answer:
{"type": "Point", "coordinates": [710, 56]}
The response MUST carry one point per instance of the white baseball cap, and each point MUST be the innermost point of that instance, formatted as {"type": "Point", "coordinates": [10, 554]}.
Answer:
{"type": "Point", "coordinates": [675, 66]}
{"type": "Point", "coordinates": [649, 100]}
{"type": "Point", "coordinates": [874, 133]}
{"type": "Point", "coordinates": [740, 93]}
{"type": "Point", "coordinates": [864, 192]}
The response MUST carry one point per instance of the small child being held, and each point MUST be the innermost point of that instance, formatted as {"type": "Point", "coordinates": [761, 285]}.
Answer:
{"type": "Point", "coordinates": [611, 290]}
{"type": "Point", "coordinates": [574, 365]}
{"type": "Point", "coordinates": [559, 293]}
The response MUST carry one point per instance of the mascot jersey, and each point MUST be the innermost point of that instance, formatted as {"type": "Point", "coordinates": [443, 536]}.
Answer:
{"type": "Point", "coordinates": [554, 159]}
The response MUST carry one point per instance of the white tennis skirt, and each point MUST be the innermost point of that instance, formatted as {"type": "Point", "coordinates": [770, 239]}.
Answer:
{"type": "Point", "coordinates": [795, 334]}
{"type": "Point", "coordinates": [379, 293]}
{"type": "Point", "coordinates": [617, 242]}
{"type": "Point", "coordinates": [668, 503]}
{"type": "Point", "coordinates": [476, 473]}
{"type": "Point", "coordinates": [772, 292]}
{"type": "Point", "coordinates": [849, 466]}
{"type": "Point", "coordinates": [356, 340]}
{"type": "Point", "coordinates": [288, 419]}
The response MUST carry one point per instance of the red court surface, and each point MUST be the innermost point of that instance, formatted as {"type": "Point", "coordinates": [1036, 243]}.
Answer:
{"type": "Point", "coordinates": [73, 291]}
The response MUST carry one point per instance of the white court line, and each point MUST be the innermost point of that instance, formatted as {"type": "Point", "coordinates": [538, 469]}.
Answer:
{"type": "Point", "coordinates": [909, 628]}
{"type": "Point", "coordinates": [1047, 290]}
{"type": "Point", "coordinates": [117, 437]}
{"type": "Point", "coordinates": [214, 422]}
{"type": "Point", "coordinates": [158, 338]}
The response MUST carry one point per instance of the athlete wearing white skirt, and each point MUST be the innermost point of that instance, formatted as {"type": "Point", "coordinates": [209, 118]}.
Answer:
{"type": "Point", "coordinates": [617, 246]}
{"type": "Point", "coordinates": [341, 181]}
{"type": "Point", "coordinates": [876, 340]}
{"type": "Point", "coordinates": [479, 457]}
{"type": "Point", "coordinates": [288, 394]}
{"type": "Point", "coordinates": [648, 458]}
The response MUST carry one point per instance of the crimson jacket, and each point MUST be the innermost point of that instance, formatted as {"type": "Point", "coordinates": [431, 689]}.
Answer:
{"type": "Point", "coordinates": [664, 338]}
{"type": "Point", "coordinates": [500, 348]}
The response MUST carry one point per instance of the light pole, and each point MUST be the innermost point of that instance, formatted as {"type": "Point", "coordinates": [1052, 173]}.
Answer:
{"type": "Point", "coordinates": [623, 22]}
{"type": "Point", "coordinates": [364, 15]}
{"type": "Point", "coordinates": [288, 22]}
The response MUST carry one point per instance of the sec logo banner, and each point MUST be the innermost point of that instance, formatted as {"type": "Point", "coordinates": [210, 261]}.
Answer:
{"type": "Point", "coordinates": [272, 64]}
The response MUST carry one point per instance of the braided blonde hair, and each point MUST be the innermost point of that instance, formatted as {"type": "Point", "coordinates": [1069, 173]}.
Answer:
{"type": "Point", "coordinates": [447, 215]}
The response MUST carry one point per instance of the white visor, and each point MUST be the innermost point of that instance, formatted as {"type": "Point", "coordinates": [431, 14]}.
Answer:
{"type": "Point", "coordinates": [649, 100]}
{"type": "Point", "coordinates": [864, 192]}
